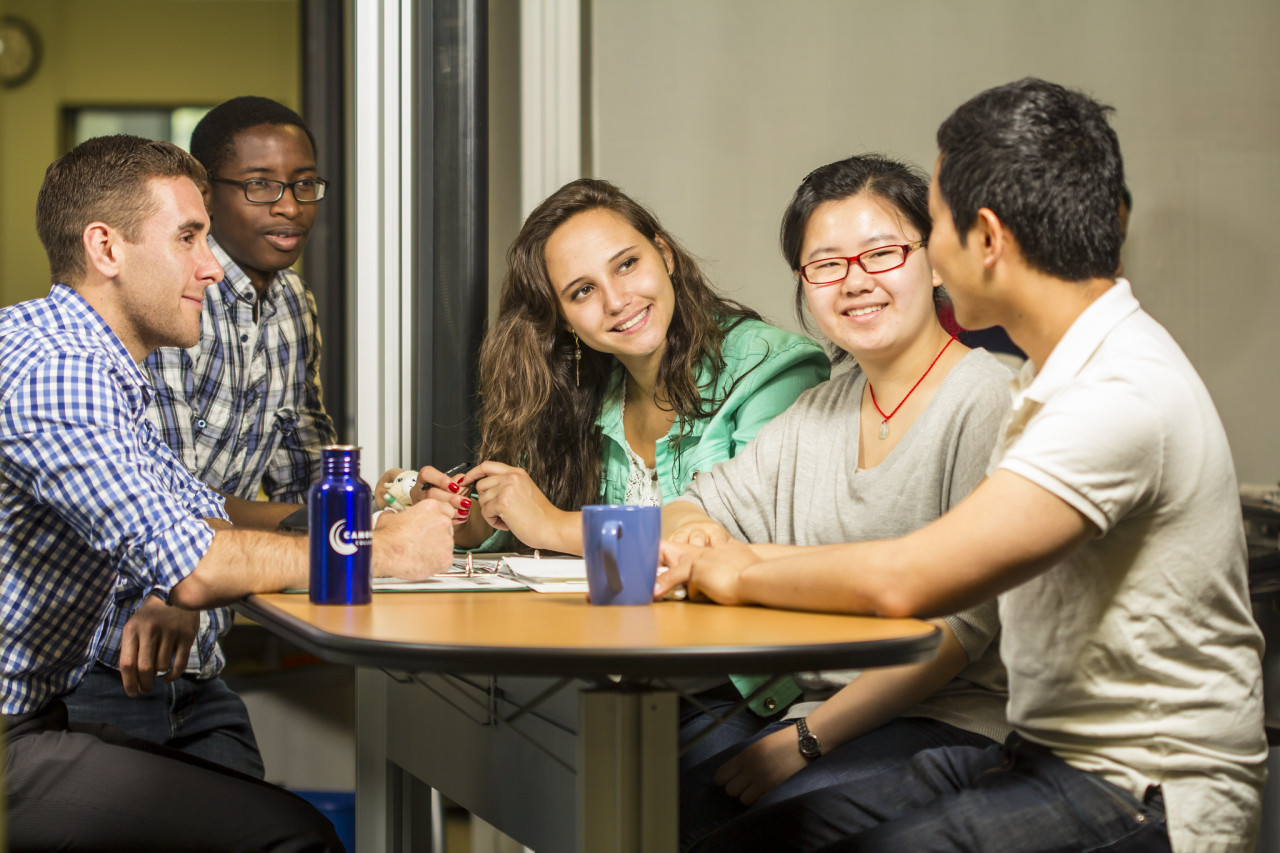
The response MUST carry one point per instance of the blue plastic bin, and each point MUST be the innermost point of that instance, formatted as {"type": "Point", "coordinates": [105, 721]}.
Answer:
{"type": "Point", "coordinates": [340, 808]}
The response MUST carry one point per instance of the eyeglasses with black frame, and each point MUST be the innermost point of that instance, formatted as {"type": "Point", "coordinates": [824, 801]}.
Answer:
{"type": "Point", "coordinates": [873, 261]}
{"type": "Point", "coordinates": [263, 191]}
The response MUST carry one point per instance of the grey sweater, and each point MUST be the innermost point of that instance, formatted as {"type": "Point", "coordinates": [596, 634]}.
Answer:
{"type": "Point", "coordinates": [798, 483]}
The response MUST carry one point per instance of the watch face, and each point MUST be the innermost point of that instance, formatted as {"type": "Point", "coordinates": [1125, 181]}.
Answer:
{"type": "Point", "coordinates": [810, 748]}
{"type": "Point", "coordinates": [19, 51]}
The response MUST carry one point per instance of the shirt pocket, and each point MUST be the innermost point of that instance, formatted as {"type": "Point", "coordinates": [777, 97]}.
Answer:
{"type": "Point", "coordinates": [284, 422]}
{"type": "Point", "coordinates": [700, 453]}
{"type": "Point", "coordinates": [208, 434]}
{"type": "Point", "coordinates": [613, 484]}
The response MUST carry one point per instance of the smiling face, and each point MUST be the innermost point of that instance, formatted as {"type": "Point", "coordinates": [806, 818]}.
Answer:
{"type": "Point", "coordinates": [868, 316]}
{"type": "Point", "coordinates": [614, 286]}
{"type": "Point", "coordinates": [264, 238]}
{"type": "Point", "coordinates": [163, 276]}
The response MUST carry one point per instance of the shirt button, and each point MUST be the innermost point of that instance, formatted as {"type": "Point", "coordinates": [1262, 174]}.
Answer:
{"type": "Point", "coordinates": [200, 424]}
{"type": "Point", "coordinates": [770, 703]}
{"type": "Point", "coordinates": [244, 339]}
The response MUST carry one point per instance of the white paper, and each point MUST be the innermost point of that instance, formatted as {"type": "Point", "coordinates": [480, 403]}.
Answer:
{"type": "Point", "coordinates": [449, 582]}
{"type": "Point", "coordinates": [548, 574]}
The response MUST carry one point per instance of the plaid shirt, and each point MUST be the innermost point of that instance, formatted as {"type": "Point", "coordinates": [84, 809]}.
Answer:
{"type": "Point", "coordinates": [95, 510]}
{"type": "Point", "coordinates": [242, 409]}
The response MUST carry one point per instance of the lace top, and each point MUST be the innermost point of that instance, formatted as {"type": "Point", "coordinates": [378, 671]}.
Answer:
{"type": "Point", "coordinates": [643, 488]}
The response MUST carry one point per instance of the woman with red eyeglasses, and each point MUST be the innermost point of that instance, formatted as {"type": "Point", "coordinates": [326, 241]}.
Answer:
{"type": "Point", "coordinates": [874, 453]}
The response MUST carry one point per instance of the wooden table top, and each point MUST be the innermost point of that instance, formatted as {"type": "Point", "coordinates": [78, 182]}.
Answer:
{"type": "Point", "coordinates": [528, 633]}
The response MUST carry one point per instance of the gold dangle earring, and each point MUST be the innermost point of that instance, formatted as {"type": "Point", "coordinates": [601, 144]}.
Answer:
{"type": "Point", "coordinates": [577, 361]}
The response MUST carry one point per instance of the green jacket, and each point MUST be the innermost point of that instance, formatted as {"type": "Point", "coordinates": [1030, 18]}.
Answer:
{"type": "Point", "coordinates": [785, 366]}
{"type": "Point", "coordinates": [771, 366]}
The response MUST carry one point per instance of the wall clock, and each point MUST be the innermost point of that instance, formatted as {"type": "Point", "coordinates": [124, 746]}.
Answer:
{"type": "Point", "coordinates": [19, 51]}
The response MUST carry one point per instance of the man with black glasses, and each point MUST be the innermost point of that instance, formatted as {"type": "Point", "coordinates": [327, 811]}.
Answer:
{"type": "Point", "coordinates": [242, 409]}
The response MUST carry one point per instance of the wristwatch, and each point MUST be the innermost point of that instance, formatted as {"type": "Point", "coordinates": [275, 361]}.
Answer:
{"type": "Point", "coordinates": [810, 748]}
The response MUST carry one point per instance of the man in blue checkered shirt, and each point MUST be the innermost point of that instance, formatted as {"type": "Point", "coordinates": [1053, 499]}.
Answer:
{"type": "Point", "coordinates": [96, 513]}
{"type": "Point", "coordinates": [242, 408]}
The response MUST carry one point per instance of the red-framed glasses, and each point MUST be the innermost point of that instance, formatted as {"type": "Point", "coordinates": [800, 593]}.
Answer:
{"type": "Point", "coordinates": [873, 261]}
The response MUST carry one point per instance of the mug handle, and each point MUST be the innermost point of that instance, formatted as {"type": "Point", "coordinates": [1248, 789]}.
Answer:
{"type": "Point", "coordinates": [610, 533]}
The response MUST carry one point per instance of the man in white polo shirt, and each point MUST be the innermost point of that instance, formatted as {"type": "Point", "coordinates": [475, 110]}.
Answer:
{"type": "Point", "coordinates": [1109, 526]}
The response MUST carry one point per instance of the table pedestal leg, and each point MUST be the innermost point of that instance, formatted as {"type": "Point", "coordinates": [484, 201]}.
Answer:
{"type": "Point", "coordinates": [627, 765]}
{"type": "Point", "coordinates": [395, 812]}
{"type": "Point", "coordinates": [377, 789]}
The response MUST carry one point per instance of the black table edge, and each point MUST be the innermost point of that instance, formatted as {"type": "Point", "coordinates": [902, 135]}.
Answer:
{"type": "Point", "coordinates": [586, 662]}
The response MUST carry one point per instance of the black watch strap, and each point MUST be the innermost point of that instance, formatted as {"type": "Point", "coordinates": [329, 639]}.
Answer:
{"type": "Point", "coordinates": [810, 748]}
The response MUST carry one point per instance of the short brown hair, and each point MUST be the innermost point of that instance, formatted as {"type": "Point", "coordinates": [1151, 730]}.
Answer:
{"type": "Point", "coordinates": [105, 179]}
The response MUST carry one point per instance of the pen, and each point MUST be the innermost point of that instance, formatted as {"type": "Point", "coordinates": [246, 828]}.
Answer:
{"type": "Point", "coordinates": [460, 468]}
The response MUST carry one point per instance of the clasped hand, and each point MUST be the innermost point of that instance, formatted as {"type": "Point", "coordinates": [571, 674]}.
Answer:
{"type": "Point", "coordinates": [705, 534]}
{"type": "Point", "coordinates": [707, 573]}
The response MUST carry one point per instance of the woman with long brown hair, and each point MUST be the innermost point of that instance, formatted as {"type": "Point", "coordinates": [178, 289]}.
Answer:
{"type": "Point", "coordinates": [613, 373]}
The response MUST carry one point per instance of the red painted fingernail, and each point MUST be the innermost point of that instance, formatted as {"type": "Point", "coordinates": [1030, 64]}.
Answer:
{"type": "Point", "coordinates": [466, 502]}
{"type": "Point", "coordinates": [464, 512]}
{"type": "Point", "coordinates": [453, 487]}
{"type": "Point", "coordinates": [461, 478]}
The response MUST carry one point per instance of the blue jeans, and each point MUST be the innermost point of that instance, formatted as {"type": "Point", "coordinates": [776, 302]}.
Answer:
{"type": "Point", "coordinates": [705, 807]}
{"type": "Point", "coordinates": [204, 718]}
{"type": "Point", "coordinates": [734, 731]}
{"type": "Point", "coordinates": [1015, 798]}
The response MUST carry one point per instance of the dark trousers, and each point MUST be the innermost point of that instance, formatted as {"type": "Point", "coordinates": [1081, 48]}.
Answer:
{"type": "Point", "coordinates": [90, 787]}
{"type": "Point", "coordinates": [706, 808]}
{"type": "Point", "coordinates": [1015, 798]}
{"type": "Point", "coordinates": [201, 717]}
{"type": "Point", "coordinates": [702, 737]}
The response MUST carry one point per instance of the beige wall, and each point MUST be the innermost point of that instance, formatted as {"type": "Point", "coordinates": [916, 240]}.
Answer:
{"type": "Point", "coordinates": [712, 111]}
{"type": "Point", "coordinates": [139, 52]}
{"type": "Point", "coordinates": [706, 111]}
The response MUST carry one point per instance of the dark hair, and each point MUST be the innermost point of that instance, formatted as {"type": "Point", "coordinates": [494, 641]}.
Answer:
{"type": "Point", "coordinates": [902, 185]}
{"type": "Point", "coordinates": [213, 140]}
{"type": "Point", "coordinates": [1046, 161]}
{"type": "Point", "coordinates": [104, 179]}
{"type": "Point", "coordinates": [533, 413]}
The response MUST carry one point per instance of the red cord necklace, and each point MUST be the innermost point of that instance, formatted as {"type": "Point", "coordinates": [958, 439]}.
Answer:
{"type": "Point", "coordinates": [884, 424]}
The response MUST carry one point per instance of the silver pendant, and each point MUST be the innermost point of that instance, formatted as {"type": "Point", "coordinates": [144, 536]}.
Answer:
{"type": "Point", "coordinates": [884, 429]}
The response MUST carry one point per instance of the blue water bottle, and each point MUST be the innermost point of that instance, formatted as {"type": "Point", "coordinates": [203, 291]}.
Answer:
{"type": "Point", "coordinates": [339, 517]}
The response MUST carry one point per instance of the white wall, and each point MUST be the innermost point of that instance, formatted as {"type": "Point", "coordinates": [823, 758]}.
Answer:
{"type": "Point", "coordinates": [708, 111]}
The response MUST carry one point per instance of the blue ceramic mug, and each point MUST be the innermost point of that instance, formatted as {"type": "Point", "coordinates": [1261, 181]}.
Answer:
{"type": "Point", "coordinates": [620, 546]}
